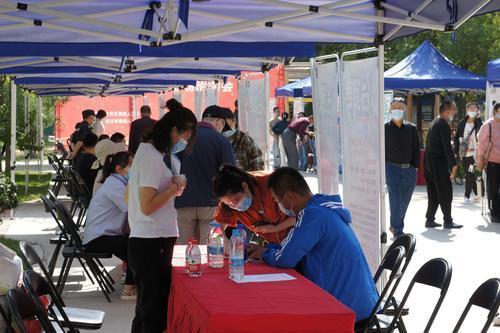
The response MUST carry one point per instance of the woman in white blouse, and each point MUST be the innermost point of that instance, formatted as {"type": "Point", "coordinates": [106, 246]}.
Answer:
{"type": "Point", "coordinates": [152, 217]}
{"type": "Point", "coordinates": [106, 228]}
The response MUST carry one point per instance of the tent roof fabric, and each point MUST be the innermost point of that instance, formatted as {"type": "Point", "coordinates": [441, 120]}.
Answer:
{"type": "Point", "coordinates": [493, 72]}
{"type": "Point", "coordinates": [427, 68]}
{"type": "Point", "coordinates": [301, 88]}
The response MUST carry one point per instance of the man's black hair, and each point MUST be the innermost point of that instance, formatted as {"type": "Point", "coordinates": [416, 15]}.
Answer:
{"type": "Point", "coordinates": [101, 114]}
{"type": "Point", "coordinates": [446, 106]}
{"type": "Point", "coordinates": [117, 137]}
{"type": "Point", "coordinates": [145, 110]}
{"type": "Point", "coordinates": [287, 179]}
{"type": "Point", "coordinates": [103, 136]}
{"type": "Point", "coordinates": [90, 140]}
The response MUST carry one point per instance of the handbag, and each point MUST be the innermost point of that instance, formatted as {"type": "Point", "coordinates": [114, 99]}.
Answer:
{"type": "Point", "coordinates": [464, 145]}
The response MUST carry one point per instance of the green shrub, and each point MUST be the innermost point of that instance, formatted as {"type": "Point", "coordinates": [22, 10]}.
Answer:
{"type": "Point", "coordinates": [8, 193]}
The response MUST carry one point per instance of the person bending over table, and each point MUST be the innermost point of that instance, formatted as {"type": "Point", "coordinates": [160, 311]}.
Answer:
{"type": "Point", "coordinates": [244, 197]}
{"type": "Point", "coordinates": [152, 217]}
{"type": "Point", "coordinates": [323, 243]}
{"type": "Point", "coordinates": [106, 228]}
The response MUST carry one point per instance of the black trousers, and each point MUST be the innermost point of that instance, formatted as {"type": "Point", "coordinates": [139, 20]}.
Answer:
{"type": "Point", "coordinates": [470, 177]}
{"type": "Point", "coordinates": [439, 187]}
{"type": "Point", "coordinates": [493, 188]}
{"type": "Point", "coordinates": [116, 245]}
{"type": "Point", "coordinates": [151, 262]}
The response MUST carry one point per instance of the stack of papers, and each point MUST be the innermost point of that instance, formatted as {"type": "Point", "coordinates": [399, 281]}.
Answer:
{"type": "Point", "coordinates": [266, 278]}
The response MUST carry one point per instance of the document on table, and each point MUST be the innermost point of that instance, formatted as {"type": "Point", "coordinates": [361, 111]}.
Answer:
{"type": "Point", "coordinates": [265, 278]}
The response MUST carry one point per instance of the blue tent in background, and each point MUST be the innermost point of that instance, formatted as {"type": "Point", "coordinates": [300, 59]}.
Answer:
{"type": "Point", "coordinates": [301, 88]}
{"type": "Point", "coordinates": [426, 68]}
{"type": "Point", "coordinates": [493, 72]}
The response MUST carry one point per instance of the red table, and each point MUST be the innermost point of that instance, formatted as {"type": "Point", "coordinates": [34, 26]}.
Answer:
{"type": "Point", "coordinates": [214, 303]}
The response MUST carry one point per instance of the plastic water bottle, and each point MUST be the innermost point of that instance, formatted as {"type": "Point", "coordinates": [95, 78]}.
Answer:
{"type": "Point", "coordinates": [215, 246]}
{"type": "Point", "coordinates": [244, 237]}
{"type": "Point", "coordinates": [188, 247]}
{"type": "Point", "coordinates": [236, 257]}
{"type": "Point", "coordinates": [194, 257]}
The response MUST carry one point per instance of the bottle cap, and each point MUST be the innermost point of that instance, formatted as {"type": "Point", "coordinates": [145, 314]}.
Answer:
{"type": "Point", "coordinates": [190, 240]}
{"type": "Point", "coordinates": [194, 241]}
{"type": "Point", "coordinates": [214, 224]}
{"type": "Point", "coordinates": [236, 232]}
{"type": "Point", "coordinates": [241, 226]}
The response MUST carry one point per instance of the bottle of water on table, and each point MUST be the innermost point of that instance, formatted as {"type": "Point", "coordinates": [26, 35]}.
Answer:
{"type": "Point", "coordinates": [215, 246]}
{"type": "Point", "coordinates": [194, 257]}
{"type": "Point", "coordinates": [188, 247]}
{"type": "Point", "coordinates": [244, 236]}
{"type": "Point", "coordinates": [236, 257]}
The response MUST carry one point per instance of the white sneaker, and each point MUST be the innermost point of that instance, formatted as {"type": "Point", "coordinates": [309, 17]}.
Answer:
{"type": "Point", "coordinates": [496, 321]}
{"type": "Point", "coordinates": [466, 200]}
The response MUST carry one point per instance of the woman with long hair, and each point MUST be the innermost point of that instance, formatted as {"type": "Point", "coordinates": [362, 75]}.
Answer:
{"type": "Point", "coordinates": [153, 218]}
{"type": "Point", "coordinates": [106, 228]}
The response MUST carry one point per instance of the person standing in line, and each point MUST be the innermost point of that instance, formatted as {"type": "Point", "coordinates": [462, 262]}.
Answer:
{"type": "Point", "coordinates": [281, 127]}
{"type": "Point", "coordinates": [402, 158]}
{"type": "Point", "coordinates": [196, 207]}
{"type": "Point", "coordinates": [489, 158]}
{"type": "Point", "coordinates": [440, 167]}
{"type": "Point", "coordinates": [236, 113]}
{"type": "Point", "coordinates": [98, 127]}
{"type": "Point", "coordinates": [247, 154]}
{"type": "Point", "coordinates": [153, 219]}
{"type": "Point", "coordinates": [297, 127]}
{"type": "Point", "coordinates": [276, 138]}
{"type": "Point", "coordinates": [466, 147]}
{"type": "Point", "coordinates": [171, 105]}
{"type": "Point", "coordinates": [139, 127]}
{"type": "Point", "coordinates": [302, 145]}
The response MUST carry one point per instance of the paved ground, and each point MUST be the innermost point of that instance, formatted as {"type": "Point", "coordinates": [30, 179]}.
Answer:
{"type": "Point", "coordinates": [473, 252]}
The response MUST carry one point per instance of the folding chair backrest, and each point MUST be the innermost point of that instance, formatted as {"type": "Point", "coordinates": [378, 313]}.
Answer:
{"type": "Point", "coordinates": [69, 225]}
{"type": "Point", "coordinates": [408, 242]}
{"type": "Point", "coordinates": [392, 262]}
{"type": "Point", "coordinates": [37, 287]}
{"type": "Point", "coordinates": [23, 308]}
{"type": "Point", "coordinates": [435, 273]}
{"type": "Point", "coordinates": [486, 296]}
{"type": "Point", "coordinates": [51, 208]}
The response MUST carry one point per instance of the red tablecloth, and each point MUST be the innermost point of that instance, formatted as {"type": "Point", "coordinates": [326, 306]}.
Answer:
{"type": "Point", "coordinates": [214, 303]}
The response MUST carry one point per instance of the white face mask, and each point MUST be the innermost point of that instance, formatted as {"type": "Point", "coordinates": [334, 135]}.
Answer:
{"type": "Point", "coordinates": [397, 114]}
{"type": "Point", "coordinates": [497, 115]}
{"type": "Point", "coordinates": [450, 117]}
{"type": "Point", "coordinates": [472, 114]}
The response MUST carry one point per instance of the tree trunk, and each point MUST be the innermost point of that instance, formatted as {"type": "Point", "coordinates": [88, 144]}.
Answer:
{"type": "Point", "coordinates": [7, 159]}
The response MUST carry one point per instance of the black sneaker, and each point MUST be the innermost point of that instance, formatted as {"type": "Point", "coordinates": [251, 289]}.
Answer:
{"type": "Point", "coordinates": [432, 224]}
{"type": "Point", "coordinates": [495, 219]}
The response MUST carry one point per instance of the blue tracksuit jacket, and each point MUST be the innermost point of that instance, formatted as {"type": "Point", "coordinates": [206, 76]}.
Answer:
{"type": "Point", "coordinates": [325, 245]}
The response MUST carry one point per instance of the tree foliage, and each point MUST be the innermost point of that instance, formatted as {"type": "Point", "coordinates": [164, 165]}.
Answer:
{"type": "Point", "coordinates": [476, 42]}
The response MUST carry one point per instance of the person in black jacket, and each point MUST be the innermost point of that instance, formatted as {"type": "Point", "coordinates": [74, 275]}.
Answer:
{"type": "Point", "coordinates": [440, 167]}
{"type": "Point", "coordinates": [139, 127]}
{"type": "Point", "coordinates": [466, 146]}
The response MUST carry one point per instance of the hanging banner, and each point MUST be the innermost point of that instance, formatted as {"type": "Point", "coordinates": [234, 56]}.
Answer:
{"type": "Point", "coordinates": [210, 97]}
{"type": "Point", "coordinates": [199, 105]}
{"type": "Point", "coordinates": [243, 86]}
{"type": "Point", "coordinates": [361, 121]}
{"type": "Point", "coordinates": [298, 106]}
{"type": "Point", "coordinates": [326, 123]}
{"type": "Point", "coordinates": [257, 113]}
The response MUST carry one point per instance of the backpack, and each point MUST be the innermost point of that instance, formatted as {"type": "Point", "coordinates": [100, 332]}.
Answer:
{"type": "Point", "coordinates": [280, 127]}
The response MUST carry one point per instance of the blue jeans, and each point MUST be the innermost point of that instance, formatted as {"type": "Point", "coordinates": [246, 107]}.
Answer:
{"type": "Point", "coordinates": [302, 155]}
{"type": "Point", "coordinates": [400, 185]}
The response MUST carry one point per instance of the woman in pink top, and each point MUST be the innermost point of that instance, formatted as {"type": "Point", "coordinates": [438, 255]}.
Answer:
{"type": "Point", "coordinates": [489, 158]}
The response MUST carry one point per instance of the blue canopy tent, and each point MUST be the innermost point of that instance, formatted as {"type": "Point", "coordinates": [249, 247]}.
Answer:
{"type": "Point", "coordinates": [301, 88]}
{"type": "Point", "coordinates": [426, 68]}
{"type": "Point", "coordinates": [493, 73]}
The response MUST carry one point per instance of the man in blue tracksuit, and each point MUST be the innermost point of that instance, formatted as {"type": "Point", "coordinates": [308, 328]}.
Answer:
{"type": "Point", "coordinates": [322, 243]}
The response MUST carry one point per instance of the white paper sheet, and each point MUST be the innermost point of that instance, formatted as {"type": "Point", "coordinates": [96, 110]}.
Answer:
{"type": "Point", "coordinates": [266, 278]}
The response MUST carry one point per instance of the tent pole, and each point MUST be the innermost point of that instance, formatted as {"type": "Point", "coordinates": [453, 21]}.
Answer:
{"type": "Point", "coordinates": [13, 111]}
{"type": "Point", "coordinates": [471, 13]}
{"type": "Point", "coordinates": [41, 142]}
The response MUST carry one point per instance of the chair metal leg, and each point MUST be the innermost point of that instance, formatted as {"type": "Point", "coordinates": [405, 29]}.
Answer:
{"type": "Point", "coordinates": [53, 259]}
{"type": "Point", "coordinates": [105, 271]}
{"type": "Point", "coordinates": [95, 271]}
{"type": "Point", "coordinates": [84, 266]}
{"type": "Point", "coordinates": [61, 272]}
{"type": "Point", "coordinates": [65, 276]}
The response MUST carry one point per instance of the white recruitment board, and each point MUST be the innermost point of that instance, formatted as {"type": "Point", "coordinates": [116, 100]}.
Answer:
{"type": "Point", "coordinates": [325, 106]}
{"type": "Point", "coordinates": [199, 103]}
{"type": "Point", "coordinates": [257, 112]}
{"type": "Point", "coordinates": [361, 121]}
{"type": "Point", "coordinates": [210, 97]}
{"type": "Point", "coordinates": [243, 86]}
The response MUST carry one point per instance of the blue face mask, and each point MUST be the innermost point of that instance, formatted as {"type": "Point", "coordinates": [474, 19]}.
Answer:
{"type": "Point", "coordinates": [228, 133]}
{"type": "Point", "coordinates": [397, 114]}
{"type": "Point", "coordinates": [286, 211]}
{"type": "Point", "coordinates": [244, 204]}
{"type": "Point", "coordinates": [179, 146]}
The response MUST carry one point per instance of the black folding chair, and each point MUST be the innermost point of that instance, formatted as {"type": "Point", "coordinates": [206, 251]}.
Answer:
{"type": "Point", "coordinates": [487, 296]}
{"type": "Point", "coordinates": [84, 196]}
{"type": "Point", "coordinates": [75, 249]}
{"type": "Point", "coordinates": [391, 262]}
{"type": "Point", "coordinates": [24, 309]}
{"type": "Point", "coordinates": [6, 318]}
{"type": "Point", "coordinates": [408, 242]}
{"type": "Point", "coordinates": [435, 273]}
{"type": "Point", "coordinates": [72, 318]}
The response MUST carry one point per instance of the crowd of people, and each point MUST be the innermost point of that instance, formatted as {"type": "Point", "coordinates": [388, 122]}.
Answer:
{"type": "Point", "coordinates": [178, 174]}
{"type": "Point", "coordinates": [475, 145]}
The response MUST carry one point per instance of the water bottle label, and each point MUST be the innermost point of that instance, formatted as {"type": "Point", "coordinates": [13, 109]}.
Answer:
{"type": "Point", "coordinates": [237, 262]}
{"type": "Point", "coordinates": [215, 250]}
{"type": "Point", "coordinates": [194, 265]}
